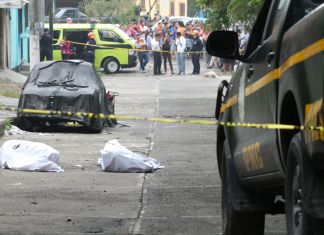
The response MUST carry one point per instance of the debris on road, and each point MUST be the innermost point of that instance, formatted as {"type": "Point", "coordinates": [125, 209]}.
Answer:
{"type": "Point", "coordinates": [22, 155]}
{"type": "Point", "coordinates": [14, 131]}
{"type": "Point", "coordinates": [117, 158]}
{"type": "Point", "coordinates": [211, 74]}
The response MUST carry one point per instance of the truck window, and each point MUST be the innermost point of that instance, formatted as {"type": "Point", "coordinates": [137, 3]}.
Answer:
{"type": "Point", "coordinates": [57, 10]}
{"type": "Point", "coordinates": [258, 28]}
{"type": "Point", "coordinates": [298, 9]}
{"type": "Point", "coordinates": [69, 14]}
{"type": "Point", "coordinates": [273, 18]}
{"type": "Point", "coordinates": [78, 36]}
{"type": "Point", "coordinates": [56, 35]}
{"type": "Point", "coordinates": [109, 36]}
{"type": "Point", "coordinates": [82, 15]}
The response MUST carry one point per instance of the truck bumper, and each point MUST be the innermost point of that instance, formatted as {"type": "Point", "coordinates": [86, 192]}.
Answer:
{"type": "Point", "coordinates": [316, 151]}
{"type": "Point", "coordinates": [132, 62]}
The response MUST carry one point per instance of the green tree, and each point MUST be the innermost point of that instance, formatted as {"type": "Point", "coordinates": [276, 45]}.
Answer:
{"type": "Point", "coordinates": [217, 13]}
{"type": "Point", "coordinates": [244, 11]}
{"type": "Point", "coordinates": [109, 8]}
{"type": "Point", "coordinates": [191, 7]}
{"type": "Point", "coordinates": [221, 14]}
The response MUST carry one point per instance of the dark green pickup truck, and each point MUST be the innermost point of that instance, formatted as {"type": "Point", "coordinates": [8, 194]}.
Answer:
{"type": "Point", "coordinates": [279, 81]}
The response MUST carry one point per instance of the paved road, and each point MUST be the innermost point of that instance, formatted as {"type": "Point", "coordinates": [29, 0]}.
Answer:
{"type": "Point", "coordinates": [182, 198]}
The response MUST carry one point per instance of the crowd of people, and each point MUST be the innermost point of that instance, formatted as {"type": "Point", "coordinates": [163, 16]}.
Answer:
{"type": "Point", "coordinates": [165, 41]}
{"type": "Point", "coordinates": [68, 49]}
{"type": "Point", "coordinates": [169, 40]}
{"type": "Point", "coordinates": [160, 43]}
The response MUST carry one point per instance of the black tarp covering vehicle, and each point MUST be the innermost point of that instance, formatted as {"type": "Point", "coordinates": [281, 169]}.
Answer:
{"type": "Point", "coordinates": [66, 86]}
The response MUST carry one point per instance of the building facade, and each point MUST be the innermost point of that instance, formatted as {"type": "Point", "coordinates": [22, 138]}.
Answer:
{"type": "Point", "coordinates": [14, 29]}
{"type": "Point", "coordinates": [18, 37]}
{"type": "Point", "coordinates": [165, 7]}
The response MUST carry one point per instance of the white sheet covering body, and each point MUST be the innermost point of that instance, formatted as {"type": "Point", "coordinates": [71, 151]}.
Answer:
{"type": "Point", "coordinates": [22, 155]}
{"type": "Point", "coordinates": [117, 158]}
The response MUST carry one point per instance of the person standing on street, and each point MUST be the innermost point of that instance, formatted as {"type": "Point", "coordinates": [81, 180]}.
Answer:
{"type": "Point", "coordinates": [157, 54]}
{"type": "Point", "coordinates": [132, 30]}
{"type": "Point", "coordinates": [166, 46]}
{"type": "Point", "coordinates": [89, 49]}
{"type": "Point", "coordinates": [46, 42]}
{"type": "Point", "coordinates": [189, 38]}
{"type": "Point", "coordinates": [149, 40]}
{"type": "Point", "coordinates": [140, 44]}
{"type": "Point", "coordinates": [173, 37]}
{"type": "Point", "coordinates": [65, 45]}
{"type": "Point", "coordinates": [197, 47]}
{"type": "Point", "coordinates": [207, 56]}
{"type": "Point", "coordinates": [181, 49]}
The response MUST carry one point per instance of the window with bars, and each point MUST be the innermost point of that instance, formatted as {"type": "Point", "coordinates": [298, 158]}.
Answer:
{"type": "Point", "coordinates": [182, 9]}
{"type": "Point", "coordinates": [142, 4]}
{"type": "Point", "coordinates": [171, 8]}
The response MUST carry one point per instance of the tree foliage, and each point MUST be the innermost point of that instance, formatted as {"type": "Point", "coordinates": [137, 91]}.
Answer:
{"type": "Point", "coordinates": [110, 8]}
{"type": "Point", "coordinates": [151, 5]}
{"type": "Point", "coordinates": [222, 14]}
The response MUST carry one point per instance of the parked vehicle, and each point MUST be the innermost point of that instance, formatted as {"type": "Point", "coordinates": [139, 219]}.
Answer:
{"type": "Point", "coordinates": [65, 86]}
{"type": "Point", "coordinates": [173, 19]}
{"type": "Point", "coordinates": [197, 20]}
{"type": "Point", "coordinates": [279, 81]}
{"type": "Point", "coordinates": [114, 50]}
{"type": "Point", "coordinates": [62, 14]}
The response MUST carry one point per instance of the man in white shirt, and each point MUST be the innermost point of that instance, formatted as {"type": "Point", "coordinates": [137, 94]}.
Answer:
{"type": "Point", "coordinates": [157, 54]}
{"type": "Point", "coordinates": [181, 48]}
{"type": "Point", "coordinates": [140, 44]}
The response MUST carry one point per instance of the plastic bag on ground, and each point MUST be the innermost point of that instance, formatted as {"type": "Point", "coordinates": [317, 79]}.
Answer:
{"type": "Point", "coordinates": [117, 158]}
{"type": "Point", "coordinates": [22, 155]}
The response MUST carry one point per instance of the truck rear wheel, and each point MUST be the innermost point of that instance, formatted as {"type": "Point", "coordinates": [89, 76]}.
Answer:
{"type": "Point", "coordinates": [96, 125]}
{"type": "Point", "coordinates": [238, 222]}
{"type": "Point", "coordinates": [111, 65]}
{"type": "Point", "coordinates": [29, 124]}
{"type": "Point", "coordinates": [299, 175]}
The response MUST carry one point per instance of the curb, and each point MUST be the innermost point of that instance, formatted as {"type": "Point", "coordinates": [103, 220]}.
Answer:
{"type": "Point", "coordinates": [3, 125]}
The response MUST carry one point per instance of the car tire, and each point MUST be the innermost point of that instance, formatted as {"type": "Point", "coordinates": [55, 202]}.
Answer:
{"type": "Point", "coordinates": [25, 124]}
{"type": "Point", "coordinates": [298, 177]}
{"type": "Point", "coordinates": [96, 125]}
{"type": "Point", "coordinates": [29, 124]}
{"type": "Point", "coordinates": [220, 98]}
{"type": "Point", "coordinates": [111, 65]}
{"type": "Point", "coordinates": [113, 120]}
{"type": "Point", "coordinates": [237, 222]}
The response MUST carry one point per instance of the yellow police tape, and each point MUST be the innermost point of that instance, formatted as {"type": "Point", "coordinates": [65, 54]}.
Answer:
{"type": "Point", "coordinates": [132, 49]}
{"type": "Point", "coordinates": [269, 126]}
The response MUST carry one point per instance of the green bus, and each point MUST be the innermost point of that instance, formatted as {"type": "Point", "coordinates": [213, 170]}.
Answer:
{"type": "Point", "coordinates": [114, 48]}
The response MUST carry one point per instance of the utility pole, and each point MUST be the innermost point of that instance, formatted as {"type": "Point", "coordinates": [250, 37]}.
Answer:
{"type": "Point", "coordinates": [51, 16]}
{"type": "Point", "coordinates": [34, 34]}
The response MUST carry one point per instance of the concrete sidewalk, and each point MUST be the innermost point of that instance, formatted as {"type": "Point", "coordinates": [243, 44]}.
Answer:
{"type": "Point", "coordinates": [9, 77]}
{"type": "Point", "coordinates": [5, 115]}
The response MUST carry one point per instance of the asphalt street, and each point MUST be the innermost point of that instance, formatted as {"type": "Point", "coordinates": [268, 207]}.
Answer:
{"type": "Point", "coordinates": [182, 198]}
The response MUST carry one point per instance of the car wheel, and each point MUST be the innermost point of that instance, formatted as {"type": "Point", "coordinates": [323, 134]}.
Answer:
{"type": "Point", "coordinates": [298, 177]}
{"type": "Point", "coordinates": [26, 124]}
{"type": "Point", "coordinates": [97, 125]}
{"type": "Point", "coordinates": [113, 120]}
{"type": "Point", "coordinates": [237, 222]}
{"type": "Point", "coordinates": [111, 65]}
{"type": "Point", "coordinates": [220, 97]}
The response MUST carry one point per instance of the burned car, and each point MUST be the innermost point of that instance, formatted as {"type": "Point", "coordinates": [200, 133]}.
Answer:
{"type": "Point", "coordinates": [64, 91]}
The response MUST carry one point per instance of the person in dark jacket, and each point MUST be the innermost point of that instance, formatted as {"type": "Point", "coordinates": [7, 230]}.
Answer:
{"type": "Point", "coordinates": [157, 54]}
{"type": "Point", "coordinates": [46, 42]}
{"type": "Point", "coordinates": [196, 49]}
{"type": "Point", "coordinates": [166, 46]}
{"type": "Point", "coordinates": [89, 49]}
